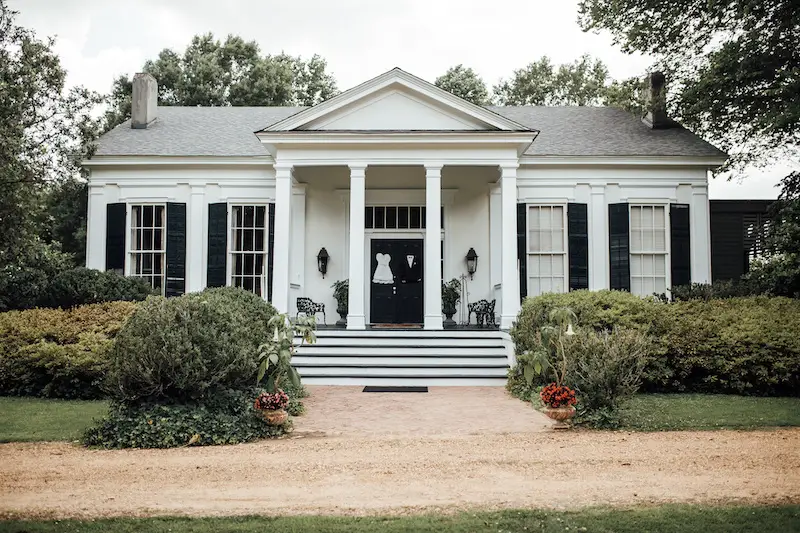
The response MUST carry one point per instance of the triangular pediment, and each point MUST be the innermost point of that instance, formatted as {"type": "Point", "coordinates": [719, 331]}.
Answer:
{"type": "Point", "coordinates": [396, 101]}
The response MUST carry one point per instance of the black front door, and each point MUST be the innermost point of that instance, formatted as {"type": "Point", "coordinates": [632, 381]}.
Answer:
{"type": "Point", "coordinates": [396, 271]}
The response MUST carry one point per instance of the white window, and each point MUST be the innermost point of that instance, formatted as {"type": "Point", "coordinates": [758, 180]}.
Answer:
{"type": "Point", "coordinates": [648, 249]}
{"type": "Point", "coordinates": [249, 247]}
{"type": "Point", "coordinates": [148, 243]}
{"type": "Point", "coordinates": [547, 249]}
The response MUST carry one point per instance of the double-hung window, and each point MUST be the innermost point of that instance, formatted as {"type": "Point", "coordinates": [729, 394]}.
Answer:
{"type": "Point", "coordinates": [648, 248]}
{"type": "Point", "coordinates": [148, 243]}
{"type": "Point", "coordinates": [547, 249]}
{"type": "Point", "coordinates": [249, 247]}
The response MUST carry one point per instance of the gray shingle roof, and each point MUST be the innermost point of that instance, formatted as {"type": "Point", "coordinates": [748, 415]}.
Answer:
{"type": "Point", "coordinates": [602, 131]}
{"type": "Point", "coordinates": [565, 131]}
{"type": "Point", "coordinates": [191, 131]}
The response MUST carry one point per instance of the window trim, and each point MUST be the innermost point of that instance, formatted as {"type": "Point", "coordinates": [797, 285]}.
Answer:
{"type": "Point", "coordinates": [229, 252]}
{"type": "Point", "coordinates": [565, 253]}
{"type": "Point", "coordinates": [129, 241]}
{"type": "Point", "coordinates": [667, 253]}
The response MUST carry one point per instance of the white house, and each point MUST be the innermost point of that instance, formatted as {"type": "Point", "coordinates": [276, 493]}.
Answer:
{"type": "Point", "coordinates": [397, 180]}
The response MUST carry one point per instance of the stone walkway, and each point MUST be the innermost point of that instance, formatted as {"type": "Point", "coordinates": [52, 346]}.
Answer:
{"type": "Point", "coordinates": [443, 411]}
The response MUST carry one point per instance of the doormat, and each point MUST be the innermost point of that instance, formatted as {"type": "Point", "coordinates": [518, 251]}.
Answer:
{"type": "Point", "coordinates": [396, 326]}
{"type": "Point", "coordinates": [373, 388]}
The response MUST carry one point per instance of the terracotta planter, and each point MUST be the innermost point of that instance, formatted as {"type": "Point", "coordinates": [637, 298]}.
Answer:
{"type": "Point", "coordinates": [276, 417]}
{"type": "Point", "coordinates": [561, 414]}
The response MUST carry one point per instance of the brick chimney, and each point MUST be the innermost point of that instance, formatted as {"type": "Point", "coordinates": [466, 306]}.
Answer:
{"type": "Point", "coordinates": [656, 106]}
{"type": "Point", "coordinates": [144, 103]}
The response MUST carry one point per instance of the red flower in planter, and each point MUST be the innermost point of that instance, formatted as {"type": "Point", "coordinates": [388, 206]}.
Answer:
{"type": "Point", "coordinates": [558, 396]}
{"type": "Point", "coordinates": [272, 401]}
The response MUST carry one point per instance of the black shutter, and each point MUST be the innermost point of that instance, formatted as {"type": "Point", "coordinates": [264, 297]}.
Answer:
{"type": "Point", "coordinates": [217, 261]}
{"type": "Point", "coordinates": [578, 235]}
{"type": "Point", "coordinates": [115, 237]}
{"type": "Point", "coordinates": [619, 249]}
{"type": "Point", "coordinates": [176, 249]}
{"type": "Point", "coordinates": [680, 250]}
{"type": "Point", "coordinates": [522, 249]}
{"type": "Point", "coordinates": [270, 249]}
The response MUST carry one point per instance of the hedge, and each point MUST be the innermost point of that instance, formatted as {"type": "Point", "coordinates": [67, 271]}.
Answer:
{"type": "Point", "coordinates": [737, 345]}
{"type": "Point", "coordinates": [59, 353]}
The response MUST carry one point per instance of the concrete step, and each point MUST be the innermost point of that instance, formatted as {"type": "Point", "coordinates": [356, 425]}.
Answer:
{"type": "Point", "coordinates": [421, 333]}
{"type": "Point", "coordinates": [378, 350]}
{"type": "Point", "coordinates": [499, 361]}
{"type": "Point", "coordinates": [406, 341]}
{"type": "Point", "coordinates": [403, 371]}
{"type": "Point", "coordinates": [453, 381]}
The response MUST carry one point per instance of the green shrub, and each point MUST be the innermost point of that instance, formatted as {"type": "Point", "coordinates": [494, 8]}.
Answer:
{"type": "Point", "coordinates": [718, 289]}
{"type": "Point", "coordinates": [736, 345]}
{"type": "Point", "coordinates": [25, 278]}
{"type": "Point", "coordinates": [80, 286]}
{"type": "Point", "coordinates": [227, 417]}
{"type": "Point", "coordinates": [187, 348]}
{"type": "Point", "coordinates": [59, 353]}
{"type": "Point", "coordinates": [778, 275]}
{"type": "Point", "coordinates": [605, 368]}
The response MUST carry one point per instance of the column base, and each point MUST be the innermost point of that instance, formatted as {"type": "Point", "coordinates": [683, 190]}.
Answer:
{"type": "Point", "coordinates": [433, 322]}
{"type": "Point", "coordinates": [506, 321]}
{"type": "Point", "coordinates": [356, 322]}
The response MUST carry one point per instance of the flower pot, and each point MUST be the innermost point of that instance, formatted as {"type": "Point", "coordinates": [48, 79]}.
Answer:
{"type": "Point", "coordinates": [561, 414]}
{"type": "Point", "coordinates": [276, 417]}
{"type": "Point", "coordinates": [342, 322]}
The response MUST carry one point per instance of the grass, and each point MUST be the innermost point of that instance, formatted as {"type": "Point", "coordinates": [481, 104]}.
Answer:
{"type": "Point", "coordinates": [659, 412]}
{"type": "Point", "coordinates": [661, 519]}
{"type": "Point", "coordinates": [39, 419]}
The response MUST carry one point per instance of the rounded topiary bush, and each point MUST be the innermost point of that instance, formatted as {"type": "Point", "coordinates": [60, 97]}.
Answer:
{"type": "Point", "coordinates": [188, 348]}
{"type": "Point", "coordinates": [80, 286]}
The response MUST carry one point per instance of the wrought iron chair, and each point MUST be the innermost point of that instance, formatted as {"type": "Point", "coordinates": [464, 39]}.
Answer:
{"type": "Point", "coordinates": [309, 307]}
{"type": "Point", "coordinates": [484, 312]}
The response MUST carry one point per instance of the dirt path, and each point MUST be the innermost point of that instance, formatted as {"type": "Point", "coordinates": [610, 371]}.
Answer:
{"type": "Point", "coordinates": [366, 475]}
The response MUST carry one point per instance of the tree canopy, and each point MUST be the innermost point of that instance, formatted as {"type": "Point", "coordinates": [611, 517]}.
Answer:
{"type": "Point", "coordinates": [45, 130]}
{"type": "Point", "coordinates": [465, 83]}
{"type": "Point", "coordinates": [232, 72]}
{"type": "Point", "coordinates": [582, 82]}
{"type": "Point", "coordinates": [734, 65]}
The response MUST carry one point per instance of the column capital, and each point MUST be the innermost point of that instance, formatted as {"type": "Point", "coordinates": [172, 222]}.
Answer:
{"type": "Point", "coordinates": [508, 170]}
{"type": "Point", "coordinates": [433, 170]}
{"type": "Point", "coordinates": [357, 170]}
{"type": "Point", "coordinates": [283, 170]}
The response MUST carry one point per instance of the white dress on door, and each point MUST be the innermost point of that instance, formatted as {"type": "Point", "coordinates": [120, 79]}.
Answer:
{"type": "Point", "coordinates": [383, 273]}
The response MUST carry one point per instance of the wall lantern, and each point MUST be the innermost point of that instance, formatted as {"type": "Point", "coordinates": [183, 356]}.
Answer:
{"type": "Point", "coordinates": [322, 261]}
{"type": "Point", "coordinates": [472, 262]}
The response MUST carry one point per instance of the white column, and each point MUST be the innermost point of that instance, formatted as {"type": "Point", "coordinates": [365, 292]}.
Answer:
{"type": "Point", "coordinates": [509, 300]}
{"type": "Point", "coordinates": [495, 241]}
{"type": "Point", "coordinates": [96, 228]}
{"type": "Point", "coordinates": [195, 239]}
{"type": "Point", "coordinates": [700, 235]}
{"type": "Point", "coordinates": [355, 301]}
{"type": "Point", "coordinates": [433, 247]}
{"type": "Point", "coordinates": [283, 232]}
{"type": "Point", "coordinates": [598, 239]}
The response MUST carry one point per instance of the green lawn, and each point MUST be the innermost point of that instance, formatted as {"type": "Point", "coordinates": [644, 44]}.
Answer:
{"type": "Point", "coordinates": [657, 412]}
{"type": "Point", "coordinates": [38, 419]}
{"type": "Point", "coordinates": [663, 519]}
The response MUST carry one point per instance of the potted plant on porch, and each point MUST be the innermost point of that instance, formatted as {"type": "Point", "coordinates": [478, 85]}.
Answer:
{"type": "Point", "coordinates": [451, 294]}
{"type": "Point", "coordinates": [340, 294]}
{"type": "Point", "coordinates": [275, 363]}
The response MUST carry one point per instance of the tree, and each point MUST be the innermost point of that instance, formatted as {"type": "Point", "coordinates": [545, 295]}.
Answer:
{"type": "Point", "coordinates": [582, 83]}
{"type": "Point", "coordinates": [734, 66]}
{"type": "Point", "coordinates": [233, 72]}
{"type": "Point", "coordinates": [45, 130]}
{"type": "Point", "coordinates": [63, 218]}
{"type": "Point", "coordinates": [464, 83]}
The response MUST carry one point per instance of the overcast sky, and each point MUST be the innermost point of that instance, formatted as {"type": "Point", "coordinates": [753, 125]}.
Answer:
{"type": "Point", "coordinates": [100, 39]}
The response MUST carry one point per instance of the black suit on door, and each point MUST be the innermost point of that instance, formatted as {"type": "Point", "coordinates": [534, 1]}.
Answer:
{"type": "Point", "coordinates": [398, 302]}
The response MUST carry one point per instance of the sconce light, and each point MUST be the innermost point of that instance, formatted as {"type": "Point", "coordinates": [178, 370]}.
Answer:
{"type": "Point", "coordinates": [472, 262]}
{"type": "Point", "coordinates": [322, 261]}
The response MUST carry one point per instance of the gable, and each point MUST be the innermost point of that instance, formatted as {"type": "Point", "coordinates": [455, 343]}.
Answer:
{"type": "Point", "coordinates": [396, 100]}
{"type": "Point", "coordinates": [396, 108]}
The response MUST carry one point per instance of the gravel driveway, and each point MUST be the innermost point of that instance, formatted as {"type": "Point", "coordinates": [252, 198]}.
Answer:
{"type": "Point", "coordinates": [364, 473]}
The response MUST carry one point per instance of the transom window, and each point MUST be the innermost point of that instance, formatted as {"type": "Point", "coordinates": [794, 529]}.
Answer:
{"type": "Point", "coordinates": [399, 217]}
{"type": "Point", "coordinates": [148, 243]}
{"type": "Point", "coordinates": [249, 247]}
{"type": "Point", "coordinates": [648, 227]}
{"type": "Point", "coordinates": [547, 249]}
